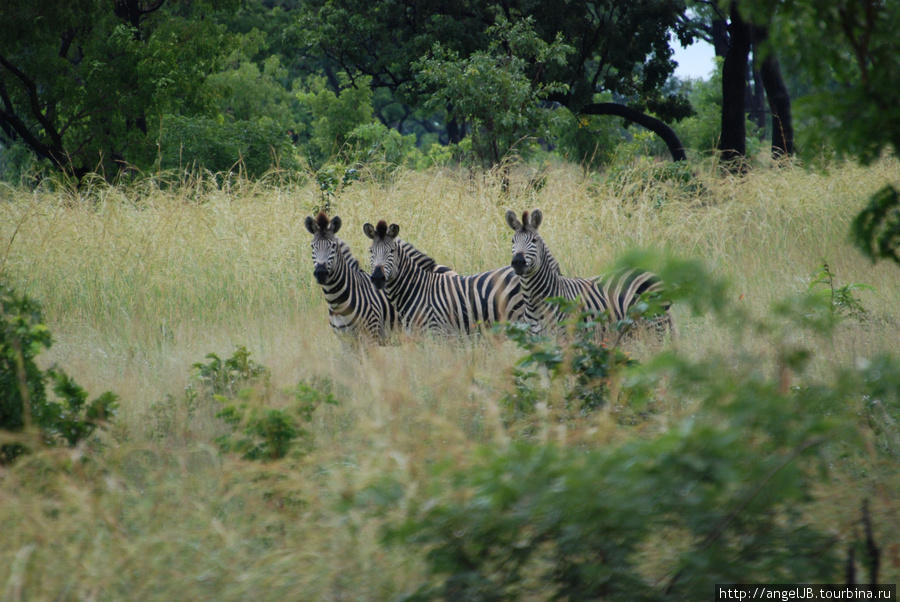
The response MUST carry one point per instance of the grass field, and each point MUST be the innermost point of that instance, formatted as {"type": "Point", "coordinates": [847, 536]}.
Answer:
{"type": "Point", "coordinates": [139, 282]}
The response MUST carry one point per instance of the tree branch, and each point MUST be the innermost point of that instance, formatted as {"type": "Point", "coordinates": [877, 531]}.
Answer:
{"type": "Point", "coordinates": [661, 129]}
{"type": "Point", "coordinates": [31, 89]}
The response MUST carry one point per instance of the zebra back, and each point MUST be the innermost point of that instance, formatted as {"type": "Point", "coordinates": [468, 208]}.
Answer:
{"type": "Point", "coordinates": [541, 279]}
{"type": "Point", "coordinates": [447, 302]}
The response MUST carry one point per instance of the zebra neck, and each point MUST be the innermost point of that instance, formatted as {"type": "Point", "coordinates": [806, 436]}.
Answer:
{"type": "Point", "coordinates": [545, 282]}
{"type": "Point", "coordinates": [345, 276]}
{"type": "Point", "coordinates": [412, 269]}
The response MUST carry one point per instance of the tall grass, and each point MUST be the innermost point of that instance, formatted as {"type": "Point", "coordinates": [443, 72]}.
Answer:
{"type": "Point", "coordinates": [140, 281]}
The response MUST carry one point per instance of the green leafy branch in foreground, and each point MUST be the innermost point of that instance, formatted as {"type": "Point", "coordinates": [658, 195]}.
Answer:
{"type": "Point", "coordinates": [257, 430]}
{"type": "Point", "coordinates": [723, 495]}
{"type": "Point", "coordinates": [876, 230]}
{"type": "Point", "coordinates": [25, 406]}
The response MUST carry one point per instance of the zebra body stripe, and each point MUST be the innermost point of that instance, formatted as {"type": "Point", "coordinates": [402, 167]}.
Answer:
{"type": "Point", "coordinates": [444, 303]}
{"type": "Point", "coordinates": [356, 309]}
{"type": "Point", "coordinates": [542, 279]}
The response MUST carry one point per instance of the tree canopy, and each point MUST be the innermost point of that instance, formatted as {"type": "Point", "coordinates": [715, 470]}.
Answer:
{"type": "Point", "coordinates": [621, 48]}
{"type": "Point", "coordinates": [85, 84]}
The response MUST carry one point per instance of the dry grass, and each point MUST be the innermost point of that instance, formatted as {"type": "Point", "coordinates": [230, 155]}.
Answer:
{"type": "Point", "coordinates": [139, 282]}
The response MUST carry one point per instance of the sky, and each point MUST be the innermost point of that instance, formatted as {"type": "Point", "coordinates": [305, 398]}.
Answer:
{"type": "Point", "coordinates": [695, 61]}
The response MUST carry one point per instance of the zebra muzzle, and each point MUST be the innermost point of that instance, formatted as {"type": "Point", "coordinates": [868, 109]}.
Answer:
{"type": "Point", "coordinates": [378, 278]}
{"type": "Point", "coordinates": [518, 263]}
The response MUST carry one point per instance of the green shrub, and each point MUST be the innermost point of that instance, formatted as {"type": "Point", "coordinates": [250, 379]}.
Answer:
{"type": "Point", "coordinates": [723, 494]}
{"type": "Point", "coordinates": [24, 404]}
{"type": "Point", "coordinates": [259, 432]}
{"type": "Point", "coordinates": [253, 147]}
{"type": "Point", "coordinates": [841, 299]}
{"type": "Point", "coordinates": [588, 361]}
{"type": "Point", "coordinates": [227, 377]}
{"type": "Point", "coordinates": [256, 430]}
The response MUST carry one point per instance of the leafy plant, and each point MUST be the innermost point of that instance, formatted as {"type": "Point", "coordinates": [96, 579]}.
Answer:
{"type": "Point", "coordinates": [492, 90]}
{"type": "Point", "coordinates": [841, 299]}
{"type": "Point", "coordinates": [265, 433]}
{"type": "Point", "coordinates": [226, 377]}
{"type": "Point", "coordinates": [258, 431]}
{"type": "Point", "coordinates": [876, 230]}
{"type": "Point", "coordinates": [721, 495]}
{"type": "Point", "coordinates": [334, 116]}
{"type": "Point", "coordinates": [24, 402]}
{"type": "Point", "coordinates": [253, 147]}
{"type": "Point", "coordinates": [589, 358]}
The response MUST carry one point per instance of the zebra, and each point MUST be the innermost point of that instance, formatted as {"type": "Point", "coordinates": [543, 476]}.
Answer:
{"type": "Point", "coordinates": [356, 309]}
{"type": "Point", "coordinates": [443, 303]}
{"type": "Point", "coordinates": [541, 279]}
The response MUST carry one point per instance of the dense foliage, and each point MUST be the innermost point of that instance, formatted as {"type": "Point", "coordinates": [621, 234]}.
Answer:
{"type": "Point", "coordinates": [25, 406]}
{"type": "Point", "coordinates": [717, 497]}
{"type": "Point", "coordinates": [85, 85]}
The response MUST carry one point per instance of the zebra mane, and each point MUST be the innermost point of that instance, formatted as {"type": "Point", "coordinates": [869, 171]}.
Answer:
{"type": "Point", "coordinates": [344, 249]}
{"type": "Point", "coordinates": [420, 259]}
{"type": "Point", "coordinates": [322, 220]}
{"type": "Point", "coordinates": [549, 259]}
{"type": "Point", "coordinates": [381, 229]}
{"type": "Point", "coordinates": [524, 219]}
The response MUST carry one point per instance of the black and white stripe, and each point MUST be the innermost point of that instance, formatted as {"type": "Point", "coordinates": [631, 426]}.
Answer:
{"type": "Point", "coordinates": [444, 303]}
{"type": "Point", "coordinates": [541, 279]}
{"type": "Point", "coordinates": [356, 309]}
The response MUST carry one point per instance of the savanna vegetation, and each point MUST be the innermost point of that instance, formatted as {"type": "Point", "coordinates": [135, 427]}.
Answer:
{"type": "Point", "coordinates": [760, 444]}
{"type": "Point", "coordinates": [179, 421]}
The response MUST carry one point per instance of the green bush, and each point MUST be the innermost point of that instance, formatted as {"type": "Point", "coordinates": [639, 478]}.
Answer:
{"type": "Point", "coordinates": [252, 147]}
{"type": "Point", "coordinates": [587, 140]}
{"type": "Point", "coordinates": [259, 432]}
{"type": "Point", "coordinates": [722, 495]}
{"type": "Point", "coordinates": [24, 403]}
{"type": "Point", "coordinates": [334, 117]}
{"type": "Point", "coordinates": [589, 359]}
{"type": "Point", "coordinates": [256, 429]}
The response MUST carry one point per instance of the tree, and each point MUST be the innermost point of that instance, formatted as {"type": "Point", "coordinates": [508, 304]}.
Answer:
{"type": "Point", "coordinates": [733, 145]}
{"type": "Point", "coordinates": [852, 54]}
{"type": "Point", "coordinates": [85, 84]}
{"type": "Point", "coordinates": [735, 35]}
{"type": "Point", "coordinates": [619, 47]}
{"type": "Point", "coordinates": [491, 90]}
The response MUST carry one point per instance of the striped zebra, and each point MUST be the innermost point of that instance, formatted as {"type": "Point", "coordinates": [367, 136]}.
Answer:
{"type": "Point", "coordinates": [542, 278]}
{"type": "Point", "coordinates": [356, 309]}
{"type": "Point", "coordinates": [444, 303]}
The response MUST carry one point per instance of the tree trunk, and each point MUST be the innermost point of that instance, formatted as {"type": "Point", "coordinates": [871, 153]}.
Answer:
{"type": "Point", "coordinates": [756, 101]}
{"type": "Point", "coordinates": [733, 143]}
{"type": "Point", "coordinates": [777, 95]}
{"type": "Point", "coordinates": [651, 123]}
{"type": "Point", "coordinates": [720, 37]}
{"type": "Point", "coordinates": [455, 132]}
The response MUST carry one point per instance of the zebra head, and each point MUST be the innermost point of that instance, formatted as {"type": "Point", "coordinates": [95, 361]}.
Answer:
{"type": "Point", "coordinates": [527, 245]}
{"type": "Point", "coordinates": [383, 251]}
{"type": "Point", "coordinates": [324, 245]}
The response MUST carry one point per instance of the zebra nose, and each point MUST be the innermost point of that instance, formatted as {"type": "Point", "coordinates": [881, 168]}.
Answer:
{"type": "Point", "coordinates": [320, 273]}
{"type": "Point", "coordinates": [378, 278]}
{"type": "Point", "coordinates": [518, 263]}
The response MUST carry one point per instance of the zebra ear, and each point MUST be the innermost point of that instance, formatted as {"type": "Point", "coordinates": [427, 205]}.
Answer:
{"type": "Point", "coordinates": [512, 220]}
{"type": "Point", "coordinates": [536, 217]}
{"type": "Point", "coordinates": [393, 230]}
{"type": "Point", "coordinates": [311, 225]}
{"type": "Point", "coordinates": [369, 229]}
{"type": "Point", "coordinates": [335, 224]}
